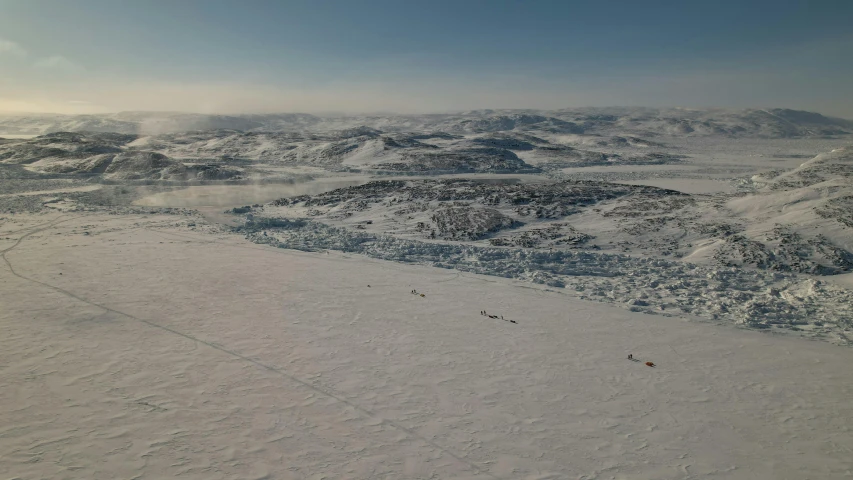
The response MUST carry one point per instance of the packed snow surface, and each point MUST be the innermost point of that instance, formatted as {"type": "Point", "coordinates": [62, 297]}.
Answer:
{"type": "Point", "coordinates": [140, 346]}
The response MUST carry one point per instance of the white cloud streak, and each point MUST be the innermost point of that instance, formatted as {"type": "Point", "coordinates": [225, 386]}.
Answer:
{"type": "Point", "coordinates": [58, 62]}
{"type": "Point", "coordinates": [11, 48]}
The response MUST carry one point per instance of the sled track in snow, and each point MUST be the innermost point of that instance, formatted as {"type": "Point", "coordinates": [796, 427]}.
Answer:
{"type": "Point", "coordinates": [316, 388]}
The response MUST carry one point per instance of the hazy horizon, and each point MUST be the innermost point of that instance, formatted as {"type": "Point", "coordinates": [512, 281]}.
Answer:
{"type": "Point", "coordinates": [219, 57]}
{"type": "Point", "coordinates": [391, 113]}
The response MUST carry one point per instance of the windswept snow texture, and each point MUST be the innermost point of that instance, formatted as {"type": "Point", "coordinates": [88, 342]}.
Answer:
{"type": "Point", "coordinates": [150, 345]}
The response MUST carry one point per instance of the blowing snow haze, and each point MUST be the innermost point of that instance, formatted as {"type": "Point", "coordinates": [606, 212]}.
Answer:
{"type": "Point", "coordinates": [470, 240]}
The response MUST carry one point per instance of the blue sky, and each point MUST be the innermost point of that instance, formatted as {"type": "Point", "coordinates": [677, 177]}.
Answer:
{"type": "Point", "coordinates": [413, 56]}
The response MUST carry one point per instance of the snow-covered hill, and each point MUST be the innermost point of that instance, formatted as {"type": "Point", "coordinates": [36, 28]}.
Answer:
{"type": "Point", "coordinates": [106, 155]}
{"type": "Point", "coordinates": [753, 257]}
{"type": "Point", "coordinates": [768, 123]}
{"type": "Point", "coordinates": [523, 194]}
{"type": "Point", "coordinates": [470, 142]}
{"type": "Point", "coordinates": [150, 123]}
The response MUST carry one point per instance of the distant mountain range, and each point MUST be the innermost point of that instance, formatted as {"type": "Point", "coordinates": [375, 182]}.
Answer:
{"type": "Point", "coordinates": [769, 123]}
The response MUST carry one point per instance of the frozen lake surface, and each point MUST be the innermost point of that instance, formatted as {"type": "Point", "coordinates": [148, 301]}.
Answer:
{"type": "Point", "coordinates": [139, 345]}
{"type": "Point", "coordinates": [238, 195]}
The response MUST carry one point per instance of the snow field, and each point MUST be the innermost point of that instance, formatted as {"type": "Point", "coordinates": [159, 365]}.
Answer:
{"type": "Point", "coordinates": [160, 351]}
